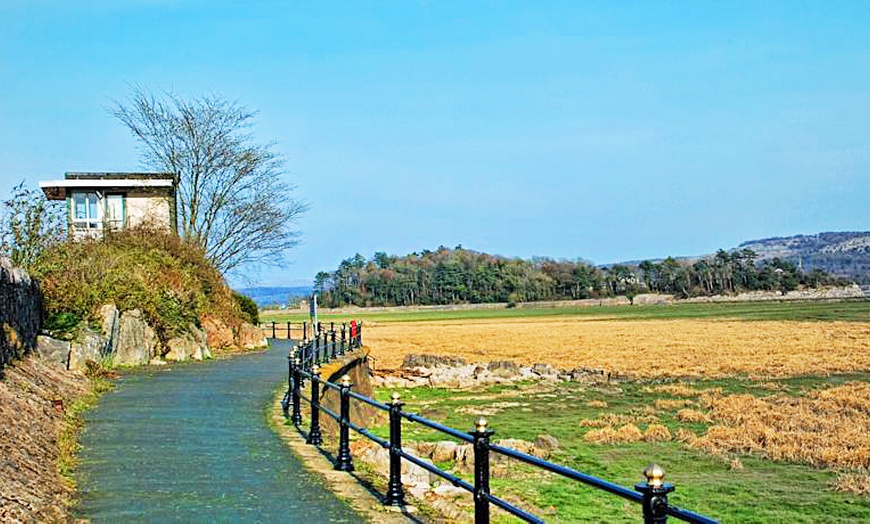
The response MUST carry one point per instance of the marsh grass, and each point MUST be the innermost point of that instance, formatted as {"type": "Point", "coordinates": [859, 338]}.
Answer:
{"type": "Point", "coordinates": [730, 486]}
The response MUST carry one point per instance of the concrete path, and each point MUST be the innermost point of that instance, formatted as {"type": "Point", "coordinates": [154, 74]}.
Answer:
{"type": "Point", "coordinates": [191, 442]}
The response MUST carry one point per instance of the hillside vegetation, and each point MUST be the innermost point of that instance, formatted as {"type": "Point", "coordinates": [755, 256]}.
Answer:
{"type": "Point", "coordinates": [845, 254]}
{"type": "Point", "coordinates": [450, 276]}
{"type": "Point", "coordinates": [169, 280]}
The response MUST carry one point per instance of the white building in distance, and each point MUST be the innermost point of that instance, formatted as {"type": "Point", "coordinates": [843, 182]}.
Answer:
{"type": "Point", "coordinates": [97, 202]}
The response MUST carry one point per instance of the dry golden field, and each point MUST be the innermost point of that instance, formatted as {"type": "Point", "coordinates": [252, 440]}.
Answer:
{"type": "Point", "coordinates": [641, 348]}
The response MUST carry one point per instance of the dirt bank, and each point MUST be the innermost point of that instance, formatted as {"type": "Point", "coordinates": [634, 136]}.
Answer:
{"type": "Point", "coordinates": [35, 403]}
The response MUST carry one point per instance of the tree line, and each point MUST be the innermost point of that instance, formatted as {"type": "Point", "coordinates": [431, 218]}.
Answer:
{"type": "Point", "coordinates": [451, 276]}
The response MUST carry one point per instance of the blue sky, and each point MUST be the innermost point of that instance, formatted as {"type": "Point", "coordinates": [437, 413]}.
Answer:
{"type": "Point", "coordinates": [599, 130]}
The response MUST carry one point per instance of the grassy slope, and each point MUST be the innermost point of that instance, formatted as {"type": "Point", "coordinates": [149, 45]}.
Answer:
{"type": "Point", "coordinates": [851, 310]}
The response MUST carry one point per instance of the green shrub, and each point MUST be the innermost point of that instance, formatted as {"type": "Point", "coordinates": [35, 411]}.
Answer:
{"type": "Point", "coordinates": [61, 324]}
{"type": "Point", "coordinates": [249, 307]}
{"type": "Point", "coordinates": [168, 279]}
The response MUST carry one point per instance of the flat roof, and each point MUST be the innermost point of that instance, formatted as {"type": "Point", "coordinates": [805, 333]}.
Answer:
{"type": "Point", "coordinates": [57, 189]}
{"type": "Point", "coordinates": [117, 175]}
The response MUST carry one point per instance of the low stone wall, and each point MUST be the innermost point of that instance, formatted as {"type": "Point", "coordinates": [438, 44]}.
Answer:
{"type": "Point", "coordinates": [355, 365]}
{"type": "Point", "coordinates": [20, 312]}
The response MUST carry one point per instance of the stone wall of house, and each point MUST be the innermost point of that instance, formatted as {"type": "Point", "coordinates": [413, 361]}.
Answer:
{"type": "Point", "coordinates": [20, 312]}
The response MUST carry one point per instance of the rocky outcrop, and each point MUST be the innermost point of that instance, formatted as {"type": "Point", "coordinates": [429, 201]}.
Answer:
{"type": "Point", "coordinates": [191, 345]}
{"type": "Point", "coordinates": [137, 341]}
{"type": "Point", "coordinates": [181, 348]}
{"type": "Point", "coordinates": [110, 322]}
{"type": "Point", "coordinates": [218, 334]}
{"type": "Point", "coordinates": [20, 312]}
{"type": "Point", "coordinates": [53, 350]}
{"type": "Point", "coordinates": [249, 336]}
{"type": "Point", "coordinates": [442, 372]}
{"type": "Point", "coordinates": [87, 347]}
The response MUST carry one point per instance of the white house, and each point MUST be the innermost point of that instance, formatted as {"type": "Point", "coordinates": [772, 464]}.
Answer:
{"type": "Point", "coordinates": [101, 201]}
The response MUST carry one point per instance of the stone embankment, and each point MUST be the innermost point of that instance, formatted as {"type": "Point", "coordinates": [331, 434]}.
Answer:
{"type": "Point", "coordinates": [453, 372]}
{"type": "Point", "coordinates": [20, 312]}
{"type": "Point", "coordinates": [34, 398]}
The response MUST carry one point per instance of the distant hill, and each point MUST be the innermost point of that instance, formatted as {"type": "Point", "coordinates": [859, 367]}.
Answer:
{"type": "Point", "coordinates": [845, 254]}
{"type": "Point", "coordinates": [275, 295]}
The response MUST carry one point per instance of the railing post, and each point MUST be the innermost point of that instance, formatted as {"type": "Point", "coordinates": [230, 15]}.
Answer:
{"type": "Point", "coordinates": [655, 495]}
{"type": "Point", "coordinates": [273, 329]}
{"type": "Point", "coordinates": [344, 462]}
{"type": "Point", "coordinates": [288, 330]}
{"type": "Point", "coordinates": [304, 331]}
{"type": "Point", "coordinates": [317, 348]}
{"type": "Point", "coordinates": [359, 334]}
{"type": "Point", "coordinates": [285, 402]}
{"type": "Point", "coordinates": [314, 436]}
{"type": "Point", "coordinates": [343, 338]}
{"type": "Point", "coordinates": [481, 436]}
{"type": "Point", "coordinates": [334, 347]}
{"type": "Point", "coordinates": [395, 493]}
{"type": "Point", "coordinates": [332, 326]}
{"type": "Point", "coordinates": [296, 417]}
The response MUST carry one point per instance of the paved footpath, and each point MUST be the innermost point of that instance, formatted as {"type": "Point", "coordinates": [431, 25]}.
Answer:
{"type": "Point", "coordinates": [191, 443]}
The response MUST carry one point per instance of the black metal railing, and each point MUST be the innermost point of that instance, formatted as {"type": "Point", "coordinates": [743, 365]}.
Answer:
{"type": "Point", "coordinates": [308, 331]}
{"type": "Point", "coordinates": [304, 365]}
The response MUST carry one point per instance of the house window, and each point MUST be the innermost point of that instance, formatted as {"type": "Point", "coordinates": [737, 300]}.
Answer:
{"type": "Point", "coordinates": [115, 211]}
{"type": "Point", "coordinates": [85, 210]}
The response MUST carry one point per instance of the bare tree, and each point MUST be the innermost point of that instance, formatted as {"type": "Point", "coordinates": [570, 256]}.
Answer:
{"type": "Point", "coordinates": [232, 200]}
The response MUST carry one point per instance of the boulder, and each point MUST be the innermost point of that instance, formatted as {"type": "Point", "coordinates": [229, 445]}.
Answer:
{"type": "Point", "coordinates": [53, 350]}
{"type": "Point", "coordinates": [110, 322]}
{"type": "Point", "coordinates": [546, 371]}
{"type": "Point", "coordinates": [444, 451]}
{"type": "Point", "coordinates": [249, 336]}
{"type": "Point", "coordinates": [181, 348]}
{"type": "Point", "coordinates": [503, 368]}
{"type": "Point", "coordinates": [218, 334]}
{"type": "Point", "coordinates": [464, 457]}
{"type": "Point", "coordinates": [412, 475]}
{"type": "Point", "coordinates": [201, 353]}
{"type": "Point", "coordinates": [137, 341]}
{"type": "Point", "coordinates": [545, 446]}
{"type": "Point", "coordinates": [415, 360]}
{"type": "Point", "coordinates": [87, 347]}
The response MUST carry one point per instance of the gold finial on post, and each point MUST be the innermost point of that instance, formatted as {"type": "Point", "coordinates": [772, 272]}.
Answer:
{"type": "Point", "coordinates": [655, 475]}
{"type": "Point", "coordinates": [315, 369]}
{"type": "Point", "coordinates": [345, 381]}
{"type": "Point", "coordinates": [481, 425]}
{"type": "Point", "coordinates": [395, 397]}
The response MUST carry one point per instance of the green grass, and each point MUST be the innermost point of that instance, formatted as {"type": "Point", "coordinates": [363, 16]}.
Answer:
{"type": "Point", "coordinates": [856, 310]}
{"type": "Point", "coordinates": [74, 422]}
{"type": "Point", "coordinates": [762, 491]}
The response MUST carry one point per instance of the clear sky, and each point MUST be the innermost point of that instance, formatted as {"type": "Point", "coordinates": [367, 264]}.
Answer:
{"type": "Point", "coordinates": [599, 130]}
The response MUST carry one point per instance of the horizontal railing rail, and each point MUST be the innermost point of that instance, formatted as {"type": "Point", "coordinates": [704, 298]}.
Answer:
{"type": "Point", "coordinates": [328, 344]}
